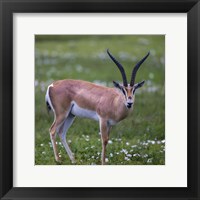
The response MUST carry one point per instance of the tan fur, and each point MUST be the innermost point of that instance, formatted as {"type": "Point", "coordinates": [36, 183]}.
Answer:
{"type": "Point", "coordinates": [107, 102]}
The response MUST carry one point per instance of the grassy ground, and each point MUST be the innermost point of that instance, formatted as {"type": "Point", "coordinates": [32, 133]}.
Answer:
{"type": "Point", "coordinates": [137, 140]}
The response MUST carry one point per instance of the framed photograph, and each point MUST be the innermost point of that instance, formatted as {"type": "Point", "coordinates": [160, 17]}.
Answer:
{"type": "Point", "coordinates": [80, 65]}
{"type": "Point", "coordinates": [99, 99]}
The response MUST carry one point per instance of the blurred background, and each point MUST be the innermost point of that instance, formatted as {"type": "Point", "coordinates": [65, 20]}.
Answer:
{"type": "Point", "coordinates": [137, 140]}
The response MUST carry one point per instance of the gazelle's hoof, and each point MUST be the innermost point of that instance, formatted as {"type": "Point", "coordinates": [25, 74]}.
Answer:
{"type": "Point", "coordinates": [73, 160]}
{"type": "Point", "coordinates": [58, 160]}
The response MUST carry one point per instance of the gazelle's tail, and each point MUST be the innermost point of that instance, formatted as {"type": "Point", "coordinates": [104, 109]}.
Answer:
{"type": "Point", "coordinates": [48, 100]}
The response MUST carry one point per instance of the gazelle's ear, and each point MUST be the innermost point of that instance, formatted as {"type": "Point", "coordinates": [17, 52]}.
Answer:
{"type": "Point", "coordinates": [117, 85]}
{"type": "Point", "coordinates": [139, 85]}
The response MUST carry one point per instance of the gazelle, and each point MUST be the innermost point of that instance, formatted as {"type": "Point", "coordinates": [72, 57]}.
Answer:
{"type": "Point", "coordinates": [71, 98]}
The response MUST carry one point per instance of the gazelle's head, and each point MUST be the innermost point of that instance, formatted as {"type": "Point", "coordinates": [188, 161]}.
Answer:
{"type": "Point", "coordinates": [128, 90]}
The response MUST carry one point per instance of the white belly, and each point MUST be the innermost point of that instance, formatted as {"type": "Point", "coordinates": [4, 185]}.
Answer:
{"type": "Point", "coordinates": [111, 122]}
{"type": "Point", "coordinates": [81, 112]}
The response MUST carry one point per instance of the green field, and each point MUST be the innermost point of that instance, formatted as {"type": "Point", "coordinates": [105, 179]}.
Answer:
{"type": "Point", "coordinates": [137, 140]}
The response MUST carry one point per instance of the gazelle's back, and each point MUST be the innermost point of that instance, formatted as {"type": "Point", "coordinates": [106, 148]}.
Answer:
{"type": "Point", "coordinates": [85, 94]}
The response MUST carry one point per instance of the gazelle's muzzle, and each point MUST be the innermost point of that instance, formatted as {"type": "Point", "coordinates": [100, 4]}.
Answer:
{"type": "Point", "coordinates": [129, 105]}
{"type": "Point", "coordinates": [129, 102]}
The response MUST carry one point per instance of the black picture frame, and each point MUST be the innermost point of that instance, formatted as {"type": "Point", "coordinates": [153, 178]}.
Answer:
{"type": "Point", "coordinates": [8, 7]}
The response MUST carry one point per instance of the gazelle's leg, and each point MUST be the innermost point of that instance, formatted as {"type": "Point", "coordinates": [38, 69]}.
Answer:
{"type": "Point", "coordinates": [62, 134]}
{"type": "Point", "coordinates": [52, 132]}
{"type": "Point", "coordinates": [104, 129]}
{"type": "Point", "coordinates": [58, 122]}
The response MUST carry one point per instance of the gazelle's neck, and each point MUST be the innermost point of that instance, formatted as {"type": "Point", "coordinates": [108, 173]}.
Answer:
{"type": "Point", "coordinates": [121, 110]}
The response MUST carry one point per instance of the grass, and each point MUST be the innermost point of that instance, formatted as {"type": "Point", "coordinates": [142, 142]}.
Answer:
{"type": "Point", "coordinates": [137, 140]}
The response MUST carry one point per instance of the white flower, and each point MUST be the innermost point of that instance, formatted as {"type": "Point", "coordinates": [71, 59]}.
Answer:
{"type": "Point", "coordinates": [127, 143]}
{"type": "Point", "coordinates": [43, 152]}
{"type": "Point", "coordinates": [41, 145]}
{"type": "Point", "coordinates": [124, 151]}
{"type": "Point", "coordinates": [110, 142]}
{"type": "Point", "coordinates": [153, 142]}
{"type": "Point", "coordinates": [126, 158]}
{"type": "Point", "coordinates": [111, 155]}
{"type": "Point", "coordinates": [106, 160]}
{"type": "Point", "coordinates": [136, 154]}
{"type": "Point", "coordinates": [133, 146]}
{"type": "Point", "coordinates": [150, 160]}
{"type": "Point", "coordinates": [69, 141]}
{"type": "Point", "coordinates": [129, 155]}
{"type": "Point", "coordinates": [163, 141]}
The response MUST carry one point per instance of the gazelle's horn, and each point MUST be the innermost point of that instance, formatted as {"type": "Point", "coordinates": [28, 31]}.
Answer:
{"type": "Point", "coordinates": [135, 69]}
{"type": "Point", "coordinates": [121, 69]}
